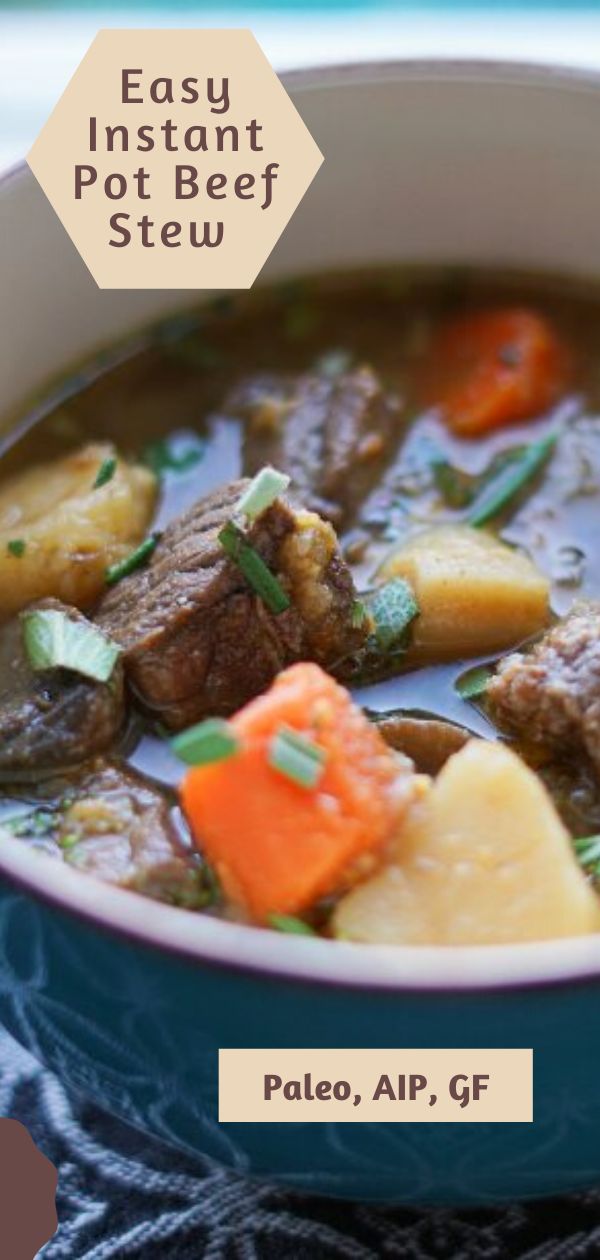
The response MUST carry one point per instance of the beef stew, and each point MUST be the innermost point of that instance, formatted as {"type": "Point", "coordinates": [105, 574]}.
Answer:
{"type": "Point", "coordinates": [330, 546]}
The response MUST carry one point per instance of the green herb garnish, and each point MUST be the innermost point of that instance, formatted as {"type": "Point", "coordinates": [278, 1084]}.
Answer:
{"type": "Point", "coordinates": [16, 547]}
{"type": "Point", "coordinates": [69, 841]}
{"type": "Point", "coordinates": [195, 889]}
{"type": "Point", "coordinates": [105, 473]}
{"type": "Point", "coordinates": [163, 456]}
{"type": "Point", "coordinates": [212, 740]}
{"type": "Point", "coordinates": [393, 607]}
{"type": "Point", "coordinates": [263, 490]}
{"type": "Point", "coordinates": [588, 852]}
{"type": "Point", "coordinates": [254, 569]}
{"type": "Point", "coordinates": [455, 486]}
{"type": "Point", "coordinates": [37, 822]}
{"type": "Point", "coordinates": [296, 757]}
{"type": "Point", "coordinates": [290, 924]}
{"type": "Point", "coordinates": [511, 479]}
{"type": "Point", "coordinates": [358, 614]}
{"type": "Point", "coordinates": [459, 488]}
{"type": "Point", "coordinates": [54, 641]}
{"type": "Point", "coordinates": [133, 561]}
{"type": "Point", "coordinates": [333, 364]}
{"type": "Point", "coordinates": [473, 683]}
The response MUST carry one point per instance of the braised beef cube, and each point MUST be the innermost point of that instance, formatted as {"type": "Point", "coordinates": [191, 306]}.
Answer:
{"type": "Point", "coordinates": [333, 435]}
{"type": "Point", "coordinates": [575, 789]}
{"type": "Point", "coordinates": [551, 694]}
{"type": "Point", "coordinates": [199, 640]}
{"type": "Point", "coordinates": [52, 718]}
{"type": "Point", "coordinates": [114, 825]}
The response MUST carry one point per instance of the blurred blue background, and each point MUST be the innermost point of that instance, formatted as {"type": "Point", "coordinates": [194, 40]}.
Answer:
{"type": "Point", "coordinates": [42, 43]}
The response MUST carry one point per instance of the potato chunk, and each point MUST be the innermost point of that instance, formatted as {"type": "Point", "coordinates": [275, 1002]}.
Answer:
{"type": "Point", "coordinates": [475, 594]}
{"type": "Point", "coordinates": [482, 859]}
{"type": "Point", "coordinates": [58, 533]}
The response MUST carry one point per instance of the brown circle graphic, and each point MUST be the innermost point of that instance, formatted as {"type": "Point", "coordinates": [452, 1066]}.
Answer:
{"type": "Point", "coordinates": [28, 1184]}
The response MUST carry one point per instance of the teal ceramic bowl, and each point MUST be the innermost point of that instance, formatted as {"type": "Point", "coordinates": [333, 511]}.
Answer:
{"type": "Point", "coordinates": [130, 1001]}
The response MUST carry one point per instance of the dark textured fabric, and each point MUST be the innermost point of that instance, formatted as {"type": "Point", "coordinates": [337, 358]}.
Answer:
{"type": "Point", "coordinates": [120, 1194]}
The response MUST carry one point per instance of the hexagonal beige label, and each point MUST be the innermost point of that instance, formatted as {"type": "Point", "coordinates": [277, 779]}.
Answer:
{"type": "Point", "coordinates": [174, 159]}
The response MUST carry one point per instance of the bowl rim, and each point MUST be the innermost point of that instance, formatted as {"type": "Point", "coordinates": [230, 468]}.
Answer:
{"type": "Point", "coordinates": [207, 941]}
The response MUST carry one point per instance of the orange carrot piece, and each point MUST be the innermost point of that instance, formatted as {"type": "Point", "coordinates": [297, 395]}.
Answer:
{"type": "Point", "coordinates": [495, 368]}
{"type": "Point", "coordinates": [277, 846]}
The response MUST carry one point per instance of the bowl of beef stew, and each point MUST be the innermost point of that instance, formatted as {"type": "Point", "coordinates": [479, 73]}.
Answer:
{"type": "Point", "coordinates": [299, 640]}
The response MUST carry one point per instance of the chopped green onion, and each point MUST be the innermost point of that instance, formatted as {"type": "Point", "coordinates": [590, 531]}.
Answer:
{"type": "Point", "coordinates": [297, 758]}
{"type": "Point", "coordinates": [455, 486]}
{"type": "Point", "coordinates": [53, 640]}
{"type": "Point", "coordinates": [588, 852]}
{"type": "Point", "coordinates": [133, 561]}
{"type": "Point", "coordinates": [69, 841]}
{"type": "Point", "coordinates": [165, 456]}
{"type": "Point", "coordinates": [256, 572]}
{"type": "Point", "coordinates": [16, 547]}
{"type": "Point", "coordinates": [333, 364]}
{"type": "Point", "coordinates": [393, 607]}
{"type": "Point", "coordinates": [358, 614]}
{"type": "Point", "coordinates": [511, 479]}
{"type": "Point", "coordinates": [290, 924]}
{"type": "Point", "coordinates": [473, 683]}
{"type": "Point", "coordinates": [208, 741]}
{"type": "Point", "coordinates": [105, 473]}
{"type": "Point", "coordinates": [263, 490]}
{"type": "Point", "coordinates": [460, 489]}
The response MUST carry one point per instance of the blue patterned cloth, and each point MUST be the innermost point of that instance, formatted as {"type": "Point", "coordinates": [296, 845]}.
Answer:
{"type": "Point", "coordinates": [122, 1195]}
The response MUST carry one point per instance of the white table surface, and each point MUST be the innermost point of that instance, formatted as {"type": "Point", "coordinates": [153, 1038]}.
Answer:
{"type": "Point", "coordinates": [39, 50]}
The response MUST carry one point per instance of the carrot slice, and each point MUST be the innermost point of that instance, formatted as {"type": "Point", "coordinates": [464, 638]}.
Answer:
{"type": "Point", "coordinates": [278, 846]}
{"type": "Point", "coordinates": [496, 367]}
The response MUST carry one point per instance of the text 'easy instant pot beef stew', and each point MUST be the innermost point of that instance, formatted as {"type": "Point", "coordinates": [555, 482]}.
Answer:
{"type": "Point", "coordinates": [300, 611]}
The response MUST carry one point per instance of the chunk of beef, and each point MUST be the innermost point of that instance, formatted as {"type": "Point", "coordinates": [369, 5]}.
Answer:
{"type": "Point", "coordinates": [52, 718]}
{"type": "Point", "coordinates": [575, 790]}
{"type": "Point", "coordinates": [332, 434]}
{"type": "Point", "coordinates": [198, 640]}
{"type": "Point", "coordinates": [551, 694]}
{"type": "Point", "coordinates": [112, 824]}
